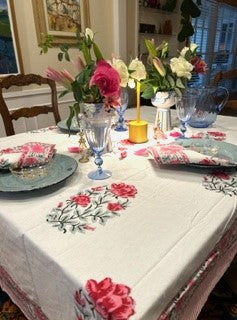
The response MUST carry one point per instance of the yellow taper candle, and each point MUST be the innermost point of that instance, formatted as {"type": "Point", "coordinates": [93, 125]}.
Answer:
{"type": "Point", "coordinates": [138, 127]}
{"type": "Point", "coordinates": [138, 101]}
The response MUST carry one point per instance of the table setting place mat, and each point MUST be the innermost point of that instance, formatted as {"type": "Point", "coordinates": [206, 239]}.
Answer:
{"type": "Point", "coordinates": [30, 154]}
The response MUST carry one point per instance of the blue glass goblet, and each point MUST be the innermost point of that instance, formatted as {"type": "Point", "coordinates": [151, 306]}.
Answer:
{"type": "Point", "coordinates": [97, 129]}
{"type": "Point", "coordinates": [185, 106]}
{"type": "Point", "coordinates": [121, 110]}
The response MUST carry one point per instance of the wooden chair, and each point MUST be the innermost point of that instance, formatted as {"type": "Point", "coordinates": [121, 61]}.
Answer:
{"type": "Point", "coordinates": [231, 105]}
{"type": "Point", "coordinates": [27, 112]}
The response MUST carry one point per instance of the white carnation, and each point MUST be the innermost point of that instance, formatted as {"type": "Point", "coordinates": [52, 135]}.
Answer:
{"type": "Point", "coordinates": [181, 67]}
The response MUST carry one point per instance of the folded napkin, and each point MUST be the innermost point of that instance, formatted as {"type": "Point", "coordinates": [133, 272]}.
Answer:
{"type": "Point", "coordinates": [30, 154]}
{"type": "Point", "coordinates": [177, 154]}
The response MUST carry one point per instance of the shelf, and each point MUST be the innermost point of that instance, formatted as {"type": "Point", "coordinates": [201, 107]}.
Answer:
{"type": "Point", "coordinates": [157, 34]}
{"type": "Point", "coordinates": [154, 10]}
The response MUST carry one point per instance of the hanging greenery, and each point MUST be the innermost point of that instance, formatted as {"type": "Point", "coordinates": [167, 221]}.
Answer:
{"type": "Point", "coordinates": [189, 10]}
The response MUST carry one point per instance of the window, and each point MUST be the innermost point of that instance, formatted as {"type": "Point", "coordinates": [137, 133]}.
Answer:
{"type": "Point", "coordinates": [216, 35]}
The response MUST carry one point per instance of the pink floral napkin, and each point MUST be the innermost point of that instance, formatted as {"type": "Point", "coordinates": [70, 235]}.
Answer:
{"type": "Point", "coordinates": [176, 154]}
{"type": "Point", "coordinates": [30, 154]}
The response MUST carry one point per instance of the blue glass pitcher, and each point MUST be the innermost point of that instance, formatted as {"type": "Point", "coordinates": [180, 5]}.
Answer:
{"type": "Point", "coordinates": [209, 103]}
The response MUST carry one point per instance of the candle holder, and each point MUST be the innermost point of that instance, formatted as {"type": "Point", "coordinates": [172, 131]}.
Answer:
{"type": "Point", "coordinates": [138, 127]}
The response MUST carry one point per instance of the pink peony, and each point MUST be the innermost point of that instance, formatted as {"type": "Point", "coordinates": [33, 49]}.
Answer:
{"type": "Point", "coordinates": [82, 199]}
{"type": "Point", "coordinates": [112, 301]}
{"type": "Point", "coordinates": [107, 79]}
{"type": "Point", "coordinates": [123, 190]}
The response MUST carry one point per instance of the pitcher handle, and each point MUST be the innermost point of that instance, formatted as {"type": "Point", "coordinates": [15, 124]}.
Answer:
{"type": "Point", "coordinates": [226, 94]}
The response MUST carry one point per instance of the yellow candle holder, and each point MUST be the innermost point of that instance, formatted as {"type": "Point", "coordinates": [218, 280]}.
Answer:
{"type": "Point", "coordinates": [138, 131]}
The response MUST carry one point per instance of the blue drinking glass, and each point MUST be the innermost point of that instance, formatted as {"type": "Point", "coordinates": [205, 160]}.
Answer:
{"type": "Point", "coordinates": [121, 110]}
{"type": "Point", "coordinates": [97, 130]}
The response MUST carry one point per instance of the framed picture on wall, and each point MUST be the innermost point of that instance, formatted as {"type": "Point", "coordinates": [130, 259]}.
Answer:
{"type": "Point", "coordinates": [10, 55]}
{"type": "Point", "coordinates": [60, 18]}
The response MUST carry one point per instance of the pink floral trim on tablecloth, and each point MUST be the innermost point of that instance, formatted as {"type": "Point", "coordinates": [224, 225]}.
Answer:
{"type": "Point", "coordinates": [104, 299]}
{"type": "Point", "coordinates": [28, 306]}
{"type": "Point", "coordinates": [182, 299]}
{"type": "Point", "coordinates": [221, 181]}
{"type": "Point", "coordinates": [91, 206]}
{"type": "Point", "coordinates": [169, 154]}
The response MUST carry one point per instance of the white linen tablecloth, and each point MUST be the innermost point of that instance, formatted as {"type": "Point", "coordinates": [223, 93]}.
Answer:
{"type": "Point", "coordinates": [153, 246]}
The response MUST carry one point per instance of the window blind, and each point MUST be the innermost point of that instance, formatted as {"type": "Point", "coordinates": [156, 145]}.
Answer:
{"type": "Point", "coordinates": [216, 35]}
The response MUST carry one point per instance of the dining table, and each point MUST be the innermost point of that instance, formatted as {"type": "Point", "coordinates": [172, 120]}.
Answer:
{"type": "Point", "coordinates": [148, 243]}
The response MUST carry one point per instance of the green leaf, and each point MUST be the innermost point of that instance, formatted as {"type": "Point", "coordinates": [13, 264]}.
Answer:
{"type": "Point", "coordinates": [97, 52]}
{"type": "Point", "coordinates": [180, 84]}
{"type": "Point", "coordinates": [171, 81]}
{"type": "Point", "coordinates": [179, 93]}
{"type": "Point", "coordinates": [148, 92]}
{"type": "Point", "coordinates": [60, 56]}
{"type": "Point", "coordinates": [67, 56]}
{"type": "Point", "coordinates": [62, 94]}
{"type": "Point", "coordinates": [151, 48]}
{"type": "Point", "coordinates": [86, 54]}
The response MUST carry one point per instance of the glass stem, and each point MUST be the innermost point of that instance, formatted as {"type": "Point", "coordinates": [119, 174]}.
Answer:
{"type": "Point", "coordinates": [99, 161]}
{"type": "Point", "coordinates": [183, 128]}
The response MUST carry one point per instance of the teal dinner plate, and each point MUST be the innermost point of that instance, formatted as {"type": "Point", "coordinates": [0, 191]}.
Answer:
{"type": "Point", "coordinates": [62, 125]}
{"type": "Point", "coordinates": [211, 147]}
{"type": "Point", "coordinates": [60, 168]}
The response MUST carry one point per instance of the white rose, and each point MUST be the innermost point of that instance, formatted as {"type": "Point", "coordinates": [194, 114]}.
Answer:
{"type": "Point", "coordinates": [122, 69]}
{"type": "Point", "coordinates": [193, 47]}
{"type": "Point", "coordinates": [181, 67]}
{"type": "Point", "coordinates": [89, 33]}
{"type": "Point", "coordinates": [184, 51]}
{"type": "Point", "coordinates": [138, 70]}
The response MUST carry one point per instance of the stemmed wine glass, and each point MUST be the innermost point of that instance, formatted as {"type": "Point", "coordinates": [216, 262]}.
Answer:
{"type": "Point", "coordinates": [121, 110]}
{"type": "Point", "coordinates": [97, 129]}
{"type": "Point", "coordinates": [185, 107]}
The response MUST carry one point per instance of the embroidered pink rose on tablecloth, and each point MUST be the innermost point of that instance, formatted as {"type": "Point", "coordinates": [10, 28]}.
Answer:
{"type": "Point", "coordinates": [91, 207]}
{"type": "Point", "coordinates": [123, 190]}
{"type": "Point", "coordinates": [114, 206]}
{"type": "Point", "coordinates": [104, 299]}
{"type": "Point", "coordinates": [221, 181]}
{"type": "Point", "coordinates": [82, 199]}
{"type": "Point", "coordinates": [112, 301]}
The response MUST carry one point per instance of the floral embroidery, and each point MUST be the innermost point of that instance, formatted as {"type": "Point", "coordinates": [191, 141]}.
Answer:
{"type": "Point", "coordinates": [104, 299]}
{"type": "Point", "coordinates": [221, 181]}
{"type": "Point", "coordinates": [169, 154]}
{"type": "Point", "coordinates": [94, 205]}
{"type": "Point", "coordinates": [126, 142]}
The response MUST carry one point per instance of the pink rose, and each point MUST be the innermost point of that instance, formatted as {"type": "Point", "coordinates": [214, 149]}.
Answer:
{"type": "Point", "coordinates": [221, 175]}
{"type": "Point", "coordinates": [107, 79]}
{"type": "Point", "coordinates": [115, 206]}
{"type": "Point", "coordinates": [112, 301]}
{"type": "Point", "coordinates": [82, 199]}
{"type": "Point", "coordinates": [199, 64]}
{"type": "Point", "coordinates": [123, 190]}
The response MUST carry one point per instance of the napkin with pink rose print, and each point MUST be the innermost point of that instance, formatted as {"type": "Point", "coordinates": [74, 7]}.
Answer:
{"type": "Point", "coordinates": [188, 153]}
{"type": "Point", "coordinates": [30, 154]}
